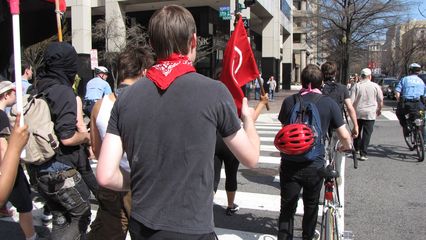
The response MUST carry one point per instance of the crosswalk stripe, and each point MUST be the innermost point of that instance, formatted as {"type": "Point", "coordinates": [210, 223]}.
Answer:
{"type": "Point", "coordinates": [268, 148]}
{"type": "Point", "coordinates": [227, 234]}
{"type": "Point", "coordinates": [267, 139]}
{"type": "Point", "coordinates": [270, 127]}
{"type": "Point", "coordinates": [256, 201]}
{"type": "Point", "coordinates": [390, 115]}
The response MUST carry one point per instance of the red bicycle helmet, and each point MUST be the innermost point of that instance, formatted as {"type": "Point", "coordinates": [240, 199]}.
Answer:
{"type": "Point", "coordinates": [294, 139]}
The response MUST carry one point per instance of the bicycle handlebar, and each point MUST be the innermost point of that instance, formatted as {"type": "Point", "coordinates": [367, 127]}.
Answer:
{"type": "Point", "coordinates": [352, 151]}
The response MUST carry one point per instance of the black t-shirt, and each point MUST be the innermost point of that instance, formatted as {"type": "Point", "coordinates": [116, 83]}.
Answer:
{"type": "Point", "coordinates": [4, 125]}
{"type": "Point", "coordinates": [63, 108]}
{"type": "Point", "coordinates": [337, 91]}
{"type": "Point", "coordinates": [328, 109]}
{"type": "Point", "coordinates": [169, 137]}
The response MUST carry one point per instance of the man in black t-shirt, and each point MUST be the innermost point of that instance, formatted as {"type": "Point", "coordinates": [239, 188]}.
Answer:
{"type": "Point", "coordinates": [339, 93]}
{"type": "Point", "coordinates": [297, 175]}
{"type": "Point", "coordinates": [167, 124]}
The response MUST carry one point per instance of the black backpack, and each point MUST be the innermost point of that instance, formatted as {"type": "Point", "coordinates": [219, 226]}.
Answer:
{"type": "Point", "coordinates": [331, 89]}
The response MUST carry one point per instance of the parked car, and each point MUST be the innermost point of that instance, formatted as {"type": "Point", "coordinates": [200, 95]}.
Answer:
{"type": "Point", "coordinates": [385, 83]}
{"type": "Point", "coordinates": [391, 91]}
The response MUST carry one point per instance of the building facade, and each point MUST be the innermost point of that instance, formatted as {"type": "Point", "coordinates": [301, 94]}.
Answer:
{"type": "Point", "coordinates": [305, 40]}
{"type": "Point", "coordinates": [270, 29]}
{"type": "Point", "coordinates": [405, 43]}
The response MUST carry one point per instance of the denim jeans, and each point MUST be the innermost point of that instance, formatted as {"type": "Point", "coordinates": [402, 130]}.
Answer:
{"type": "Point", "coordinates": [67, 196]}
{"type": "Point", "coordinates": [293, 179]}
{"type": "Point", "coordinates": [271, 94]}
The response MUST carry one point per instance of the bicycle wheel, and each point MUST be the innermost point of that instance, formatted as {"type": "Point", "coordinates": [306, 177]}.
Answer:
{"type": "Point", "coordinates": [409, 141]}
{"type": "Point", "coordinates": [420, 145]}
{"type": "Point", "coordinates": [329, 228]}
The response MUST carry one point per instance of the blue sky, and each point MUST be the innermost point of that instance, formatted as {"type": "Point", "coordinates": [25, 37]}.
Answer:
{"type": "Point", "coordinates": [414, 12]}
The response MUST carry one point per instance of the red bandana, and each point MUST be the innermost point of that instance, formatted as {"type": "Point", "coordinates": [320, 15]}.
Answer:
{"type": "Point", "coordinates": [167, 70]}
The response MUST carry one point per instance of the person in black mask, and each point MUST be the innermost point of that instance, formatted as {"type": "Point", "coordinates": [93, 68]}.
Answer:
{"type": "Point", "coordinates": [59, 181]}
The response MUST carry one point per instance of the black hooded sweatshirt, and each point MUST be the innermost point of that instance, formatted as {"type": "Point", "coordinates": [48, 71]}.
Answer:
{"type": "Point", "coordinates": [55, 81]}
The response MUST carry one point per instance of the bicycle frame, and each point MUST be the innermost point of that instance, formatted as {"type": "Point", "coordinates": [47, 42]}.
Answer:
{"type": "Point", "coordinates": [332, 225]}
{"type": "Point", "coordinates": [415, 127]}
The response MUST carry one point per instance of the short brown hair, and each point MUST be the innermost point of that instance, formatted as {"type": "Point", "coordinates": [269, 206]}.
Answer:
{"type": "Point", "coordinates": [313, 75]}
{"type": "Point", "coordinates": [329, 70]}
{"type": "Point", "coordinates": [170, 30]}
{"type": "Point", "coordinates": [132, 61]}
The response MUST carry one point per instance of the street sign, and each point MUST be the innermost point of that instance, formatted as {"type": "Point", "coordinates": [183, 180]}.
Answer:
{"type": "Point", "coordinates": [225, 13]}
{"type": "Point", "coordinates": [93, 58]}
{"type": "Point", "coordinates": [246, 22]}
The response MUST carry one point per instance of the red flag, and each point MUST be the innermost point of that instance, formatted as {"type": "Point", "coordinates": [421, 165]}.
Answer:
{"type": "Point", "coordinates": [62, 5]}
{"type": "Point", "coordinates": [239, 66]}
{"type": "Point", "coordinates": [14, 6]}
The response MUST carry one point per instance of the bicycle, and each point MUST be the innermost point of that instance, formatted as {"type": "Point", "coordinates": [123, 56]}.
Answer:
{"type": "Point", "coordinates": [415, 127]}
{"type": "Point", "coordinates": [332, 214]}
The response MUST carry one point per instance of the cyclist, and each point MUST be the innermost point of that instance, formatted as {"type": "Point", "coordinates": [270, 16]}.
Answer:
{"type": "Point", "coordinates": [409, 94]}
{"type": "Point", "coordinates": [297, 175]}
{"type": "Point", "coordinates": [96, 89]}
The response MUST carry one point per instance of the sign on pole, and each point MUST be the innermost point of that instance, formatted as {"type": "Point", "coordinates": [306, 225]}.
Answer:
{"type": "Point", "coordinates": [225, 13]}
{"type": "Point", "coordinates": [93, 58]}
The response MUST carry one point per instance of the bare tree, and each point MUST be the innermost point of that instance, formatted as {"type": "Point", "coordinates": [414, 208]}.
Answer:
{"type": "Point", "coordinates": [348, 25]}
{"type": "Point", "coordinates": [103, 32]}
{"type": "Point", "coordinates": [34, 53]}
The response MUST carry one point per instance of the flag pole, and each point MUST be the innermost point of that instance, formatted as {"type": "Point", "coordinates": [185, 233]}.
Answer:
{"type": "Point", "coordinates": [14, 10]}
{"type": "Point", "coordinates": [58, 20]}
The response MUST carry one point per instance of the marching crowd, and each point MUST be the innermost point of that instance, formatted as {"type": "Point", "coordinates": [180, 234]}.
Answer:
{"type": "Point", "coordinates": [161, 138]}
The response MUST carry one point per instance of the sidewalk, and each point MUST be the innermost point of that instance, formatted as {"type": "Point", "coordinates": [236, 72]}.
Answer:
{"type": "Point", "coordinates": [271, 116]}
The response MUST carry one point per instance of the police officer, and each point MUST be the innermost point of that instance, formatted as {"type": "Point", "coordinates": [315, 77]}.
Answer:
{"type": "Point", "coordinates": [409, 94]}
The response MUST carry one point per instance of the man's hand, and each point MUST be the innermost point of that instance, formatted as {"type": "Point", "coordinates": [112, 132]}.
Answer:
{"type": "Point", "coordinates": [379, 112]}
{"type": "Point", "coordinates": [19, 137]}
{"type": "Point", "coordinates": [355, 132]}
{"type": "Point", "coordinates": [247, 113]}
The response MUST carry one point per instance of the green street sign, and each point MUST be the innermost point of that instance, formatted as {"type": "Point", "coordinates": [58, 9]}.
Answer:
{"type": "Point", "coordinates": [225, 13]}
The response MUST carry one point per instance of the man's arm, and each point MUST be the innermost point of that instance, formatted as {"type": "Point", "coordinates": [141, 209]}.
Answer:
{"type": "Point", "coordinates": [352, 115]}
{"type": "Point", "coordinates": [77, 139]}
{"type": "Point", "coordinates": [108, 172]}
{"type": "Point", "coordinates": [345, 138]}
{"type": "Point", "coordinates": [245, 143]}
{"type": "Point", "coordinates": [10, 160]}
{"type": "Point", "coordinates": [264, 99]}
{"type": "Point", "coordinates": [95, 137]}
{"type": "Point", "coordinates": [379, 101]}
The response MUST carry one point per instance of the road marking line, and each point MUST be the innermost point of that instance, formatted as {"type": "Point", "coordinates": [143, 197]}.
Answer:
{"type": "Point", "coordinates": [228, 234]}
{"type": "Point", "coordinates": [390, 115]}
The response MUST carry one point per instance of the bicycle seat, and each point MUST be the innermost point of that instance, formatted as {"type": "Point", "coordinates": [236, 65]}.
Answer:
{"type": "Point", "coordinates": [328, 172]}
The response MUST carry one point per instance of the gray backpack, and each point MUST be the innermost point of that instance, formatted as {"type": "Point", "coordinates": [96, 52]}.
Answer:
{"type": "Point", "coordinates": [43, 143]}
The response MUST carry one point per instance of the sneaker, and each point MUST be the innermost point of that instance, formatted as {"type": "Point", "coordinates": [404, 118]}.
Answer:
{"type": "Point", "coordinates": [4, 212]}
{"type": "Point", "coordinates": [363, 158]}
{"type": "Point", "coordinates": [47, 215]}
{"type": "Point", "coordinates": [231, 211]}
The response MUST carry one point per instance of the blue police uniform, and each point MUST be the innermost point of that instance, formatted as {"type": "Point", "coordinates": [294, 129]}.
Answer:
{"type": "Point", "coordinates": [411, 88]}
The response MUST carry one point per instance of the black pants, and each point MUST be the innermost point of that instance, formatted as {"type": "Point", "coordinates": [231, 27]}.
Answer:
{"type": "Point", "coordinates": [405, 108]}
{"type": "Point", "coordinates": [363, 140]}
{"type": "Point", "coordinates": [293, 179]}
{"type": "Point", "coordinates": [223, 154]}
{"type": "Point", "coordinates": [20, 197]}
{"type": "Point", "coordinates": [138, 231]}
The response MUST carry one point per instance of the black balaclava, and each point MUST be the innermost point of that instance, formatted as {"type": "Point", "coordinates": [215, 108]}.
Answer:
{"type": "Point", "coordinates": [60, 66]}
